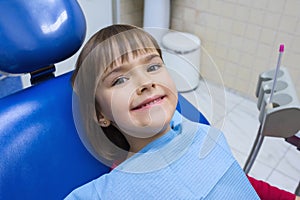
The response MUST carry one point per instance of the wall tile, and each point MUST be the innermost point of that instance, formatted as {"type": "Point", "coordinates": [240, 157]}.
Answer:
{"type": "Point", "coordinates": [252, 31]}
{"type": "Point", "coordinates": [260, 4]}
{"type": "Point", "coordinates": [211, 34]}
{"type": "Point", "coordinates": [238, 28]}
{"type": "Point", "coordinates": [242, 13]}
{"type": "Point", "coordinates": [216, 6]}
{"type": "Point", "coordinates": [250, 46]}
{"type": "Point", "coordinates": [290, 59]}
{"type": "Point", "coordinates": [271, 20]}
{"type": "Point", "coordinates": [228, 10]}
{"type": "Point", "coordinates": [236, 42]}
{"type": "Point", "coordinates": [203, 5]}
{"type": "Point", "coordinates": [246, 60]}
{"type": "Point", "coordinates": [188, 27]}
{"type": "Point", "coordinates": [177, 11]}
{"type": "Point", "coordinates": [275, 7]}
{"type": "Point", "coordinates": [259, 65]}
{"type": "Point", "coordinates": [292, 8]}
{"type": "Point", "coordinates": [231, 69]}
{"type": "Point", "coordinates": [244, 73]}
{"type": "Point", "coordinates": [226, 24]}
{"type": "Point", "coordinates": [245, 2]}
{"type": "Point", "coordinates": [233, 55]}
{"type": "Point", "coordinates": [202, 18]}
{"type": "Point", "coordinates": [263, 51]}
{"type": "Point", "coordinates": [236, 33]}
{"type": "Point", "coordinates": [297, 32]}
{"type": "Point", "coordinates": [220, 62]}
{"type": "Point", "coordinates": [221, 51]}
{"type": "Point", "coordinates": [256, 16]}
{"type": "Point", "coordinates": [287, 24]}
{"type": "Point", "coordinates": [177, 24]}
{"type": "Point", "coordinates": [295, 44]}
{"type": "Point", "coordinates": [131, 12]}
{"type": "Point", "coordinates": [189, 14]}
{"type": "Point", "coordinates": [267, 36]}
{"type": "Point", "coordinates": [200, 31]}
{"type": "Point", "coordinates": [213, 21]}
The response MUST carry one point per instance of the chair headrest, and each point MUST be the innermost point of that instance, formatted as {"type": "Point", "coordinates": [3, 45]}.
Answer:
{"type": "Point", "coordinates": [36, 34]}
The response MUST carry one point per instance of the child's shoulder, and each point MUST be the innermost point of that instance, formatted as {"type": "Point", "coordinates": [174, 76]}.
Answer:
{"type": "Point", "coordinates": [86, 191]}
{"type": "Point", "coordinates": [202, 129]}
{"type": "Point", "coordinates": [207, 136]}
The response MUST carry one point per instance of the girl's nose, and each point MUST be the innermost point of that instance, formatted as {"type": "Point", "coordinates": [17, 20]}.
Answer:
{"type": "Point", "coordinates": [143, 80]}
{"type": "Point", "coordinates": [145, 87]}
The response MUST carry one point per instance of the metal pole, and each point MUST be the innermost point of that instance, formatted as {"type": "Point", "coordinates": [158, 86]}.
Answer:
{"type": "Point", "coordinates": [254, 151]}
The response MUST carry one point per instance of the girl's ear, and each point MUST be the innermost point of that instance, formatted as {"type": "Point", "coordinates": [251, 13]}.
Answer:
{"type": "Point", "coordinates": [104, 122]}
{"type": "Point", "coordinates": [100, 117]}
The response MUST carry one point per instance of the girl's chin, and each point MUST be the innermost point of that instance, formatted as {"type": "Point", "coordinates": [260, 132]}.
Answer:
{"type": "Point", "coordinates": [156, 115]}
{"type": "Point", "coordinates": [145, 129]}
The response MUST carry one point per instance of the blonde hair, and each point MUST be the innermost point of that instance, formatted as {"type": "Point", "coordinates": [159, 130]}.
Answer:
{"type": "Point", "coordinates": [98, 55]}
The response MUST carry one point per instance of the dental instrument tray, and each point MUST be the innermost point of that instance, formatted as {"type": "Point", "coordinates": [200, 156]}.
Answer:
{"type": "Point", "coordinates": [280, 117]}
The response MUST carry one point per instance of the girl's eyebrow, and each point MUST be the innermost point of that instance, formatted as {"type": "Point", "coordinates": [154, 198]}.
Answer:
{"type": "Point", "coordinates": [121, 67]}
{"type": "Point", "coordinates": [150, 57]}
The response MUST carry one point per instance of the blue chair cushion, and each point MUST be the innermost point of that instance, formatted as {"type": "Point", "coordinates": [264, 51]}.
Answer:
{"type": "Point", "coordinates": [37, 34]}
{"type": "Point", "coordinates": [41, 154]}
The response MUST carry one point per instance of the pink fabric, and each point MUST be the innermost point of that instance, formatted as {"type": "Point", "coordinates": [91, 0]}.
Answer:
{"type": "Point", "coordinates": [267, 192]}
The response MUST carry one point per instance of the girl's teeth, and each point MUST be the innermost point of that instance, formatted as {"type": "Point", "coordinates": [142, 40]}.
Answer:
{"type": "Point", "coordinates": [150, 103]}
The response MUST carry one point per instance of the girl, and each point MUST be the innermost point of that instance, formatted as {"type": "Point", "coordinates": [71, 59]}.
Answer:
{"type": "Point", "coordinates": [127, 101]}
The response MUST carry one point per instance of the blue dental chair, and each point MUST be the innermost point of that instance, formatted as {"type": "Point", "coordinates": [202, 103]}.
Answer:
{"type": "Point", "coordinates": [41, 155]}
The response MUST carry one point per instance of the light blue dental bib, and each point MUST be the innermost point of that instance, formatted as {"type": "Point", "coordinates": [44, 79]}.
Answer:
{"type": "Point", "coordinates": [174, 167]}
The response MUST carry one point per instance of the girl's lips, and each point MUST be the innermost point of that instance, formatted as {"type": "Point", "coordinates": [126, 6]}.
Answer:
{"type": "Point", "coordinates": [149, 103]}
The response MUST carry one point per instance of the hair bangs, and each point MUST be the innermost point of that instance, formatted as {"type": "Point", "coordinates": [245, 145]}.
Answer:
{"type": "Point", "coordinates": [133, 43]}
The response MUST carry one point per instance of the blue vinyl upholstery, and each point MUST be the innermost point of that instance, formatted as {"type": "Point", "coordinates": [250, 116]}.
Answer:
{"type": "Point", "coordinates": [41, 155]}
{"type": "Point", "coordinates": [36, 34]}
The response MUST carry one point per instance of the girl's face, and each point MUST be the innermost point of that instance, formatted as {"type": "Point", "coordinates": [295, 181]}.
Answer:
{"type": "Point", "coordinates": [138, 96]}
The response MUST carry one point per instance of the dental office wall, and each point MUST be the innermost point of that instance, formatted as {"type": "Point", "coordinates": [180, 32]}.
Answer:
{"type": "Point", "coordinates": [242, 36]}
{"type": "Point", "coordinates": [131, 12]}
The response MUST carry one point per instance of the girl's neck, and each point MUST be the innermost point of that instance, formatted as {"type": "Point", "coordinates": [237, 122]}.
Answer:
{"type": "Point", "coordinates": [137, 144]}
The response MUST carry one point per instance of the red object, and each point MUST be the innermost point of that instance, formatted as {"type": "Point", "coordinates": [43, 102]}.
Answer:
{"type": "Point", "coordinates": [265, 191]}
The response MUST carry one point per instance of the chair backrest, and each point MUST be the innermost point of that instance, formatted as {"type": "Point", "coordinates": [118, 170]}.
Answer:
{"type": "Point", "coordinates": [41, 155]}
{"type": "Point", "coordinates": [36, 35]}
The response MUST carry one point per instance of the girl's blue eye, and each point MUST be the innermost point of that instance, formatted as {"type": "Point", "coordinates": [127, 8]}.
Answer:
{"type": "Point", "coordinates": [153, 68]}
{"type": "Point", "coordinates": [119, 81]}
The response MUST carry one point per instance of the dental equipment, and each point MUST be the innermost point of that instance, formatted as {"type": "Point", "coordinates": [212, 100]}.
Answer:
{"type": "Point", "coordinates": [281, 50]}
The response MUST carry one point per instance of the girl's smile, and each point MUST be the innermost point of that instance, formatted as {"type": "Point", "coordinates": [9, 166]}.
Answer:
{"type": "Point", "coordinates": [149, 103]}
